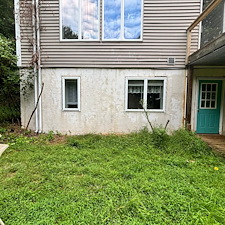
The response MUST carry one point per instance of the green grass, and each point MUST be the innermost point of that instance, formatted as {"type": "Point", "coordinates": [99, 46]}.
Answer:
{"type": "Point", "coordinates": [95, 179]}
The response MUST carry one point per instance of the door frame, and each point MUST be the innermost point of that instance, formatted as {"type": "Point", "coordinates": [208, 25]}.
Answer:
{"type": "Point", "coordinates": [197, 90]}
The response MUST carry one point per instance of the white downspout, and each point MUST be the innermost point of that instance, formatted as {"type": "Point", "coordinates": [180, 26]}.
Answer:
{"type": "Point", "coordinates": [39, 74]}
{"type": "Point", "coordinates": [17, 31]}
{"type": "Point", "coordinates": [34, 14]}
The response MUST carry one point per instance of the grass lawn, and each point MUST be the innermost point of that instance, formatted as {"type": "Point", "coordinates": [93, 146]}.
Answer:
{"type": "Point", "coordinates": [132, 179]}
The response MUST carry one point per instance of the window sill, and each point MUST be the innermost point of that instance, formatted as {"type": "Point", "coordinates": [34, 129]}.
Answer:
{"type": "Point", "coordinates": [148, 110]}
{"type": "Point", "coordinates": [71, 110]}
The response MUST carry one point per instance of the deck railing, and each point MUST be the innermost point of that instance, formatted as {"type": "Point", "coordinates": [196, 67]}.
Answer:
{"type": "Point", "coordinates": [213, 24]}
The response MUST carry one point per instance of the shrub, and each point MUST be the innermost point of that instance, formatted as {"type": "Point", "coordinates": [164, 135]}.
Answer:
{"type": "Point", "coordinates": [9, 81]}
{"type": "Point", "coordinates": [160, 138]}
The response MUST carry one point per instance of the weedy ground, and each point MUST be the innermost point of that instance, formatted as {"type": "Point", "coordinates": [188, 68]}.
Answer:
{"type": "Point", "coordinates": [140, 178]}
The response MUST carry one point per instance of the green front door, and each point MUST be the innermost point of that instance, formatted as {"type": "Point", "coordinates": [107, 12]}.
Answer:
{"type": "Point", "coordinates": [209, 100]}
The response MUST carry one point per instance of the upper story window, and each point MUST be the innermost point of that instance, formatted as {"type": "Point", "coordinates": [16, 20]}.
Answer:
{"type": "Point", "coordinates": [80, 19]}
{"type": "Point", "coordinates": [121, 20]}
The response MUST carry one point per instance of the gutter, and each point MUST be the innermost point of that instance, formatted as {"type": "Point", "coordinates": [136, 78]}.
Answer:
{"type": "Point", "coordinates": [17, 31]}
{"type": "Point", "coordinates": [37, 65]}
{"type": "Point", "coordinates": [34, 60]}
{"type": "Point", "coordinates": [39, 75]}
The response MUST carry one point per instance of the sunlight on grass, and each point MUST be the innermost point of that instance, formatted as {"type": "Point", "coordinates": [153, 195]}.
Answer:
{"type": "Point", "coordinates": [96, 179]}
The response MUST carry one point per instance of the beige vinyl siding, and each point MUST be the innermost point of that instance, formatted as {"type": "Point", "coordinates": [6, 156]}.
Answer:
{"type": "Point", "coordinates": [164, 35]}
{"type": "Point", "coordinates": [26, 32]}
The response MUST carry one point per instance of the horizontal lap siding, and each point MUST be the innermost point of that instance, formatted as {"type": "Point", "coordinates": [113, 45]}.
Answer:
{"type": "Point", "coordinates": [27, 39]}
{"type": "Point", "coordinates": [164, 35]}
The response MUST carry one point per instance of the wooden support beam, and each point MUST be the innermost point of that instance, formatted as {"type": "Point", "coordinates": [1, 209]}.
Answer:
{"type": "Point", "coordinates": [202, 16]}
{"type": "Point", "coordinates": [205, 13]}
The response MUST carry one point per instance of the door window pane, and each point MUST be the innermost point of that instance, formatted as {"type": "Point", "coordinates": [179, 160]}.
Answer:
{"type": "Point", "coordinates": [208, 96]}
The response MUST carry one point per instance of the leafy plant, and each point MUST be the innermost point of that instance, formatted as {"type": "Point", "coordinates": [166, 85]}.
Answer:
{"type": "Point", "coordinates": [9, 81]}
{"type": "Point", "coordinates": [160, 137]}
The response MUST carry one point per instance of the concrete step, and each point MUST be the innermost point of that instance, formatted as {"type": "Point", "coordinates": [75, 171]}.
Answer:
{"type": "Point", "coordinates": [3, 147]}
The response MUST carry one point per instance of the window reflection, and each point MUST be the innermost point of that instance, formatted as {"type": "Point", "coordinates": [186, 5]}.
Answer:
{"type": "Point", "coordinates": [132, 19]}
{"type": "Point", "coordinates": [80, 19]}
{"type": "Point", "coordinates": [70, 23]}
{"type": "Point", "coordinates": [122, 19]}
{"type": "Point", "coordinates": [112, 19]}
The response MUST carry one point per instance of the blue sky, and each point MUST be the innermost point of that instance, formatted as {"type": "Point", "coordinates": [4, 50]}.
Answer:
{"type": "Point", "coordinates": [112, 18]}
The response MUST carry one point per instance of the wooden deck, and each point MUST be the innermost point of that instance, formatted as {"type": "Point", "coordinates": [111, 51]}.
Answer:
{"type": "Point", "coordinates": [215, 141]}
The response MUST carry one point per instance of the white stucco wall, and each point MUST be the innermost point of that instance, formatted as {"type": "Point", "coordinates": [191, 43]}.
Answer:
{"type": "Point", "coordinates": [102, 108]}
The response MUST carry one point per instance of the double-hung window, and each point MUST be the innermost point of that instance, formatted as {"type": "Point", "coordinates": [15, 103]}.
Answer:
{"type": "Point", "coordinates": [71, 93]}
{"type": "Point", "coordinates": [121, 20]}
{"type": "Point", "coordinates": [79, 19]}
{"type": "Point", "coordinates": [147, 93]}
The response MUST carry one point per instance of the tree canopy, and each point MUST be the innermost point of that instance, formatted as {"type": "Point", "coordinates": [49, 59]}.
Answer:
{"type": "Point", "coordinates": [7, 24]}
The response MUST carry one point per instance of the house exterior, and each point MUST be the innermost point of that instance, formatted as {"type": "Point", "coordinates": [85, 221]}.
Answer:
{"type": "Point", "coordinates": [98, 58]}
{"type": "Point", "coordinates": [206, 75]}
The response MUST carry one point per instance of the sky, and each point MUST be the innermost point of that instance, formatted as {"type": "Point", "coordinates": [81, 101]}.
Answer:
{"type": "Point", "coordinates": [113, 29]}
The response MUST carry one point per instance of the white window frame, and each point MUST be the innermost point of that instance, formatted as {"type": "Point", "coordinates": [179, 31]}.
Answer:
{"type": "Point", "coordinates": [79, 39]}
{"type": "Point", "coordinates": [64, 95]}
{"type": "Point", "coordinates": [146, 79]}
{"type": "Point", "coordinates": [216, 92]}
{"type": "Point", "coordinates": [122, 24]}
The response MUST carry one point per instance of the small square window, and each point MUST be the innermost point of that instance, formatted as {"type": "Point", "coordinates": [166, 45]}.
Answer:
{"type": "Point", "coordinates": [71, 93]}
{"type": "Point", "coordinates": [145, 93]}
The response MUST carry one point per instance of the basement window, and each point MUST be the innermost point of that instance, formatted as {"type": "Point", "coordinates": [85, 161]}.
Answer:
{"type": "Point", "coordinates": [71, 93]}
{"type": "Point", "coordinates": [147, 93]}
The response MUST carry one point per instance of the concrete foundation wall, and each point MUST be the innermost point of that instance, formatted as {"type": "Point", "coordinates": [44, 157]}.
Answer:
{"type": "Point", "coordinates": [102, 101]}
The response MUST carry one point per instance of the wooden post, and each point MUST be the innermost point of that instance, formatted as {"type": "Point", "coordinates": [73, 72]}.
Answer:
{"type": "Point", "coordinates": [189, 97]}
{"type": "Point", "coordinates": [188, 45]}
{"type": "Point", "coordinates": [202, 16]}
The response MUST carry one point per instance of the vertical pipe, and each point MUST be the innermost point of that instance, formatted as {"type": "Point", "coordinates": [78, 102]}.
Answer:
{"type": "Point", "coordinates": [17, 31]}
{"type": "Point", "coordinates": [35, 63]}
{"type": "Point", "coordinates": [39, 75]}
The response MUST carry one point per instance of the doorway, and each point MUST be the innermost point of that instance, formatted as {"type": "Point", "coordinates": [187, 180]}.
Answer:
{"type": "Point", "coordinates": [209, 104]}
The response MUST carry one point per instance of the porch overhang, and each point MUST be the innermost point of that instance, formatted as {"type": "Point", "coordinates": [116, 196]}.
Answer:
{"type": "Point", "coordinates": [213, 54]}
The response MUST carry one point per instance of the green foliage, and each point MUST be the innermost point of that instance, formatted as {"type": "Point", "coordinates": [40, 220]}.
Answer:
{"type": "Point", "coordinates": [94, 179]}
{"type": "Point", "coordinates": [7, 18]}
{"type": "Point", "coordinates": [183, 141]}
{"type": "Point", "coordinates": [9, 81]}
{"type": "Point", "coordinates": [68, 33]}
{"type": "Point", "coordinates": [160, 138]}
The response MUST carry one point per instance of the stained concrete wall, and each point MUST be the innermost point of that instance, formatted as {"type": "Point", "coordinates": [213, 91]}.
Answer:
{"type": "Point", "coordinates": [102, 108]}
{"type": "Point", "coordinates": [208, 73]}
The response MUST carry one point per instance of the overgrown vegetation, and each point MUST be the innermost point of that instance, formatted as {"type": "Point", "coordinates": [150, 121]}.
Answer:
{"type": "Point", "coordinates": [9, 82]}
{"type": "Point", "coordinates": [95, 179]}
{"type": "Point", "coordinates": [9, 77]}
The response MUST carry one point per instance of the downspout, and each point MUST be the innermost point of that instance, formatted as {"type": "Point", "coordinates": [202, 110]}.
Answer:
{"type": "Point", "coordinates": [17, 31]}
{"type": "Point", "coordinates": [34, 59]}
{"type": "Point", "coordinates": [39, 74]}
